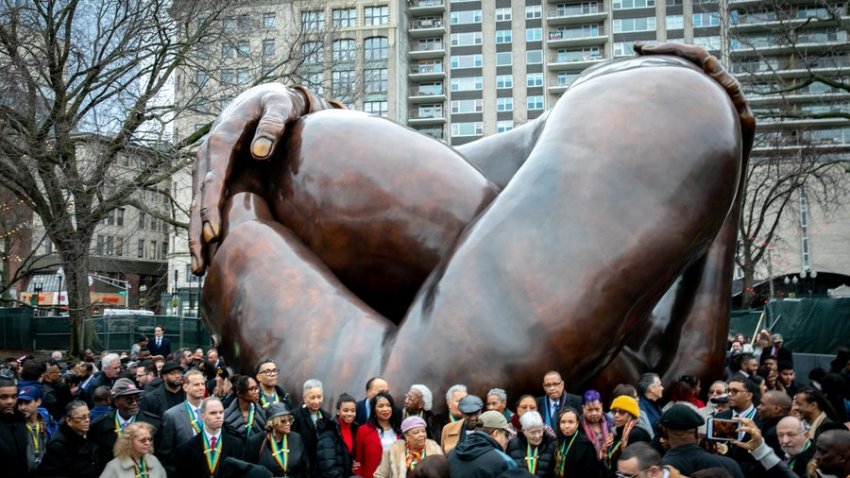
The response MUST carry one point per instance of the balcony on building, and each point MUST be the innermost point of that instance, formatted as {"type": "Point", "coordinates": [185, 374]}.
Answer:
{"type": "Point", "coordinates": [427, 70]}
{"type": "Point", "coordinates": [435, 132]}
{"type": "Point", "coordinates": [562, 81]}
{"type": "Point", "coordinates": [576, 13]}
{"type": "Point", "coordinates": [418, 8]}
{"type": "Point", "coordinates": [427, 93]}
{"type": "Point", "coordinates": [424, 50]}
{"type": "Point", "coordinates": [427, 115]}
{"type": "Point", "coordinates": [812, 42]}
{"type": "Point", "coordinates": [575, 59]}
{"type": "Point", "coordinates": [427, 27]}
{"type": "Point", "coordinates": [582, 35]}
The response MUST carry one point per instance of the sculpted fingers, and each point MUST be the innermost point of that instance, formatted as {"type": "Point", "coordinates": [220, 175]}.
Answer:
{"type": "Point", "coordinates": [196, 243]}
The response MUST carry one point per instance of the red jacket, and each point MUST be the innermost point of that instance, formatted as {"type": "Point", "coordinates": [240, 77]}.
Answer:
{"type": "Point", "coordinates": [368, 450]}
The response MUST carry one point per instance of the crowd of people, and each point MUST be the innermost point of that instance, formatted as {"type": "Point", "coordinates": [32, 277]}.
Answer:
{"type": "Point", "coordinates": [152, 413]}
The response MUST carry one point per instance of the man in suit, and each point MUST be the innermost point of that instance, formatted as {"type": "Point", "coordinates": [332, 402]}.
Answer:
{"type": "Point", "coordinates": [373, 386]}
{"type": "Point", "coordinates": [555, 398]}
{"type": "Point", "coordinates": [743, 395]}
{"type": "Point", "coordinates": [182, 421]}
{"type": "Point", "coordinates": [160, 345]}
{"type": "Point", "coordinates": [778, 351]}
{"type": "Point", "coordinates": [797, 448]}
{"type": "Point", "coordinates": [105, 430]}
{"type": "Point", "coordinates": [203, 455]}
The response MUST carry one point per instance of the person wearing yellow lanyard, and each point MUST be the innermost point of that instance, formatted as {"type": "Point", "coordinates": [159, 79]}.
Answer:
{"type": "Point", "coordinates": [795, 443]}
{"type": "Point", "coordinates": [267, 375]}
{"type": "Point", "coordinates": [403, 456]}
{"type": "Point", "coordinates": [106, 428]}
{"type": "Point", "coordinates": [626, 429]}
{"type": "Point", "coordinates": [534, 448]}
{"type": "Point", "coordinates": [38, 428]}
{"type": "Point", "coordinates": [244, 416]}
{"type": "Point", "coordinates": [279, 449]}
{"type": "Point", "coordinates": [134, 455]}
{"type": "Point", "coordinates": [204, 454]}
{"type": "Point", "coordinates": [575, 455]}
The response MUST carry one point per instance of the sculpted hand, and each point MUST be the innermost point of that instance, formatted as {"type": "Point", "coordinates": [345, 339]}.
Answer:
{"type": "Point", "coordinates": [257, 118]}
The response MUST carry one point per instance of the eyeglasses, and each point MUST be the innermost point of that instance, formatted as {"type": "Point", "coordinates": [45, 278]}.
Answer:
{"type": "Point", "coordinates": [271, 371]}
{"type": "Point", "coordinates": [145, 440]}
{"type": "Point", "coordinates": [82, 418]}
{"type": "Point", "coordinates": [623, 475]}
{"type": "Point", "coordinates": [735, 391]}
{"type": "Point", "coordinates": [287, 420]}
{"type": "Point", "coordinates": [716, 392]}
{"type": "Point", "coordinates": [553, 385]}
{"type": "Point", "coordinates": [617, 411]}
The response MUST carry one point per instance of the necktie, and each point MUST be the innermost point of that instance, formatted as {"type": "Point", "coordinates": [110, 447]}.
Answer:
{"type": "Point", "coordinates": [158, 342]}
{"type": "Point", "coordinates": [213, 442]}
{"type": "Point", "coordinates": [198, 414]}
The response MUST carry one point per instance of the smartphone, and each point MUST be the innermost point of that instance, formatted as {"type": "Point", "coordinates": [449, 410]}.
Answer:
{"type": "Point", "coordinates": [720, 429]}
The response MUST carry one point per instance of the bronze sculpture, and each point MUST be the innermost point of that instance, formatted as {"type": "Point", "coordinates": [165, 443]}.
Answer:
{"type": "Point", "coordinates": [593, 235]}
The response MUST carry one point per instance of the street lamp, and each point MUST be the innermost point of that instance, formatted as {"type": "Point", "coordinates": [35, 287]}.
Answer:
{"type": "Point", "coordinates": [60, 273]}
{"type": "Point", "coordinates": [808, 277]}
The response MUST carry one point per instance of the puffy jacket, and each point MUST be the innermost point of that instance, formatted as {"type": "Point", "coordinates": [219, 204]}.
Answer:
{"type": "Point", "coordinates": [332, 457]}
{"type": "Point", "coordinates": [234, 421]}
{"type": "Point", "coordinates": [479, 456]}
{"type": "Point", "coordinates": [70, 454]}
{"type": "Point", "coordinates": [518, 447]}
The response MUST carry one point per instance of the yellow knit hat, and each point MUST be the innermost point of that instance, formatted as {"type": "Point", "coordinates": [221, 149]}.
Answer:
{"type": "Point", "coordinates": [627, 403]}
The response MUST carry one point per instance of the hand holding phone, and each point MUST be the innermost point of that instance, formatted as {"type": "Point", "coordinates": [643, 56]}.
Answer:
{"type": "Point", "coordinates": [720, 429]}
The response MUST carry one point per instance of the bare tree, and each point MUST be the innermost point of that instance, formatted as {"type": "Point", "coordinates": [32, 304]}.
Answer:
{"type": "Point", "coordinates": [103, 67]}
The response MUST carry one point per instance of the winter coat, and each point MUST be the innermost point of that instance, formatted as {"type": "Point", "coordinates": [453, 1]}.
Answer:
{"type": "Point", "coordinates": [332, 457]}
{"type": "Point", "coordinates": [518, 447]}
{"type": "Point", "coordinates": [479, 456]}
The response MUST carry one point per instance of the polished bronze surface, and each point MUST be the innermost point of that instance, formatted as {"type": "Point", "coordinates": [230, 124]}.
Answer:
{"type": "Point", "coordinates": [597, 234]}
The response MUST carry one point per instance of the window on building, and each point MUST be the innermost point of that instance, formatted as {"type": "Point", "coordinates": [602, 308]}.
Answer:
{"type": "Point", "coordinates": [268, 47]}
{"type": "Point", "coordinates": [119, 246]}
{"type": "Point", "coordinates": [504, 81]}
{"type": "Point", "coordinates": [533, 11]}
{"type": "Point", "coordinates": [110, 246]}
{"type": "Point", "coordinates": [377, 108]}
{"type": "Point", "coordinates": [533, 34]}
{"type": "Point", "coordinates": [466, 61]}
{"type": "Point", "coordinates": [268, 20]}
{"type": "Point", "coordinates": [99, 245]}
{"type": "Point", "coordinates": [201, 77]}
{"type": "Point", "coordinates": [312, 20]}
{"type": "Point", "coordinates": [344, 17]}
{"type": "Point", "coordinates": [228, 50]}
{"type": "Point", "coordinates": [227, 76]}
{"type": "Point", "coordinates": [244, 48]}
{"type": "Point", "coordinates": [505, 104]}
{"type": "Point", "coordinates": [465, 16]}
{"type": "Point", "coordinates": [343, 85]}
{"type": "Point", "coordinates": [625, 25]}
{"type": "Point", "coordinates": [376, 48]}
{"type": "Point", "coordinates": [503, 14]}
{"type": "Point", "coordinates": [504, 36]}
{"type": "Point", "coordinates": [624, 48]}
{"type": "Point", "coordinates": [675, 22]}
{"type": "Point", "coordinates": [152, 250]}
{"type": "Point", "coordinates": [313, 52]}
{"type": "Point", "coordinates": [471, 83]}
{"type": "Point", "coordinates": [243, 76]}
{"type": "Point", "coordinates": [315, 82]}
{"type": "Point", "coordinates": [534, 57]}
{"type": "Point", "coordinates": [119, 216]}
{"type": "Point", "coordinates": [706, 19]}
{"type": "Point", "coordinates": [466, 106]}
{"type": "Point", "coordinates": [534, 79]}
{"type": "Point", "coordinates": [626, 4]}
{"type": "Point", "coordinates": [243, 23]}
{"type": "Point", "coordinates": [428, 88]}
{"type": "Point", "coordinates": [141, 220]}
{"type": "Point", "coordinates": [376, 15]}
{"type": "Point", "coordinates": [464, 39]}
{"type": "Point", "coordinates": [343, 50]}
{"type": "Point", "coordinates": [430, 44]}
{"type": "Point", "coordinates": [504, 58]}
{"type": "Point", "coordinates": [163, 251]}
{"type": "Point", "coordinates": [109, 219]}
{"type": "Point", "coordinates": [535, 103]}
{"type": "Point", "coordinates": [376, 80]}
{"type": "Point", "coordinates": [433, 110]}
{"type": "Point", "coordinates": [140, 252]}
{"type": "Point", "coordinates": [468, 129]}
{"type": "Point", "coordinates": [229, 24]}
{"type": "Point", "coordinates": [504, 125]}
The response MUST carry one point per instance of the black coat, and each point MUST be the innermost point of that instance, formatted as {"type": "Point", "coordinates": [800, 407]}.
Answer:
{"type": "Point", "coordinates": [258, 450]}
{"type": "Point", "coordinates": [332, 457]}
{"type": "Point", "coordinates": [751, 467]}
{"type": "Point", "coordinates": [305, 427]}
{"type": "Point", "coordinates": [155, 402]}
{"type": "Point", "coordinates": [164, 349]}
{"type": "Point", "coordinates": [580, 459]}
{"type": "Point", "coordinates": [71, 455]}
{"type": "Point", "coordinates": [235, 422]}
{"type": "Point", "coordinates": [13, 444]}
{"type": "Point", "coordinates": [566, 400]}
{"type": "Point", "coordinates": [517, 449]}
{"type": "Point", "coordinates": [102, 434]}
{"type": "Point", "coordinates": [479, 456]}
{"type": "Point", "coordinates": [55, 396]}
{"type": "Point", "coordinates": [691, 458]}
{"type": "Point", "coordinates": [193, 463]}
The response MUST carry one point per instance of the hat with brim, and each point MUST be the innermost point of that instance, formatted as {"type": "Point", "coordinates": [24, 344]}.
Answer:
{"type": "Point", "coordinates": [277, 410]}
{"type": "Point", "coordinates": [493, 419]}
{"type": "Point", "coordinates": [170, 367]}
{"type": "Point", "coordinates": [29, 393]}
{"type": "Point", "coordinates": [124, 387]}
{"type": "Point", "coordinates": [470, 404]}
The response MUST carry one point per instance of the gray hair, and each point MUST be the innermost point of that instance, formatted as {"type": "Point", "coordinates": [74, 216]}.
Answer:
{"type": "Point", "coordinates": [454, 388]}
{"type": "Point", "coordinates": [645, 381]}
{"type": "Point", "coordinates": [310, 384]}
{"type": "Point", "coordinates": [427, 396]}
{"type": "Point", "coordinates": [531, 419]}
{"type": "Point", "coordinates": [208, 400]}
{"type": "Point", "coordinates": [795, 420]}
{"type": "Point", "coordinates": [499, 393]}
{"type": "Point", "coordinates": [108, 359]}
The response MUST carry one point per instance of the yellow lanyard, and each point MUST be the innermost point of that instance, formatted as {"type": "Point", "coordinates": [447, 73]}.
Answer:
{"type": "Point", "coordinates": [278, 450]}
{"type": "Point", "coordinates": [34, 434]}
{"type": "Point", "coordinates": [531, 459]}
{"type": "Point", "coordinates": [212, 454]}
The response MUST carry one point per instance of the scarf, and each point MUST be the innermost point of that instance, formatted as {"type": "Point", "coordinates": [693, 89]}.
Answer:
{"type": "Point", "coordinates": [413, 457]}
{"type": "Point", "coordinates": [588, 432]}
{"type": "Point", "coordinates": [347, 437]}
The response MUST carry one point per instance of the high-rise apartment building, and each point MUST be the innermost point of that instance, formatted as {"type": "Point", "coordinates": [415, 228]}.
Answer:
{"type": "Point", "coordinates": [462, 69]}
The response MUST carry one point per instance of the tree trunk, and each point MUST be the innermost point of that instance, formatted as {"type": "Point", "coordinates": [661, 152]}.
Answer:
{"type": "Point", "coordinates": [748, 293]}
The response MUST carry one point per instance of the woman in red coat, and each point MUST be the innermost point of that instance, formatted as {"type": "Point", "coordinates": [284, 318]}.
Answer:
{"type": "Point", "coordinates": [381, 430]}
